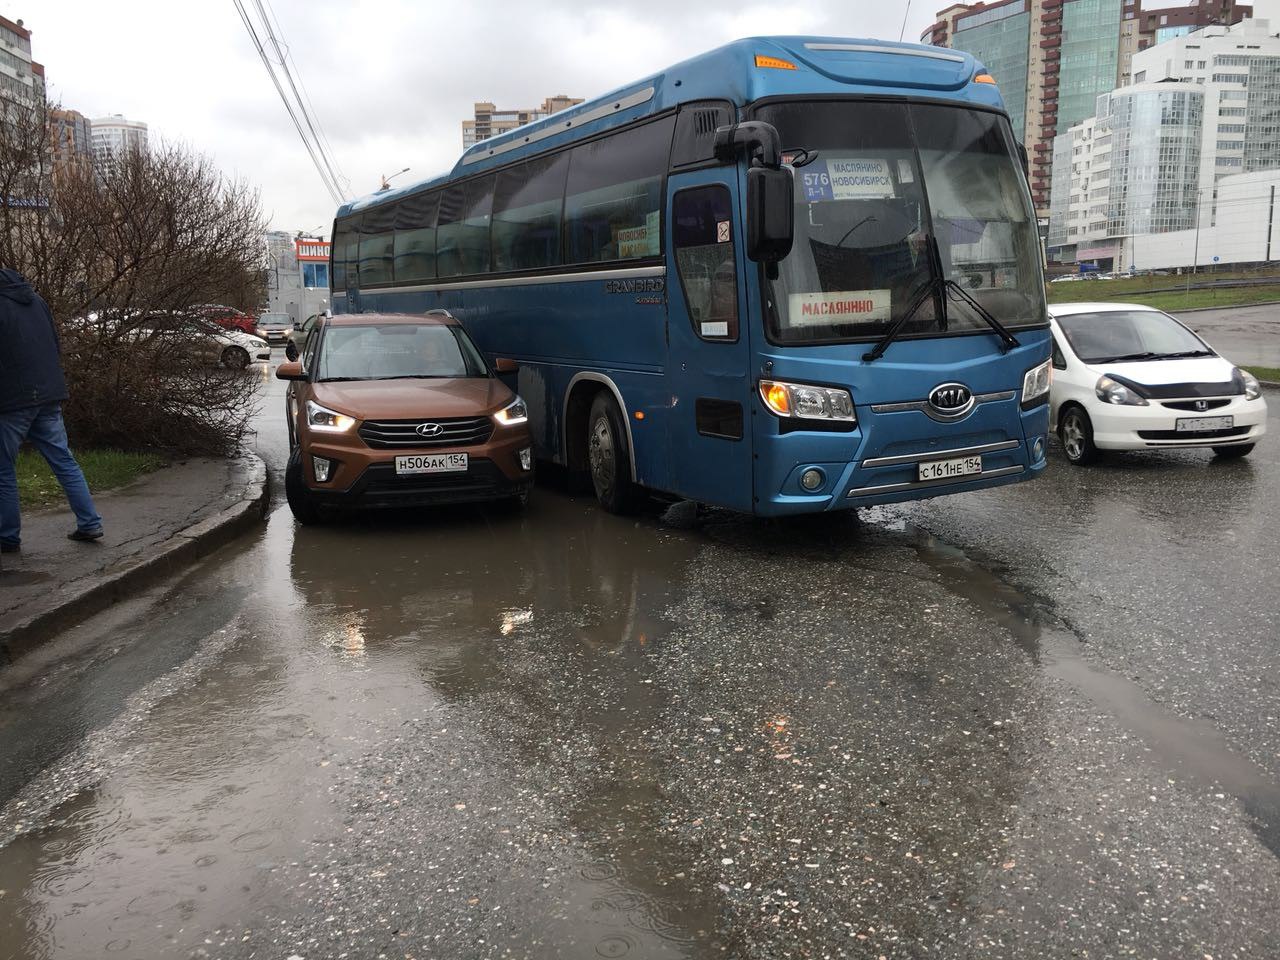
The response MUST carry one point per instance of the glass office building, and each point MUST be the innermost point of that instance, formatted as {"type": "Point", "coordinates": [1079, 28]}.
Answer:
{"type": "Point", "coordinates": [1155, 158]}
{"type": "Point", "coordinates": [1090, 57]}
{"type": "Point", "coordinates": [999, 37]}
{"type": "Point", "coordinates": [1262, 126]}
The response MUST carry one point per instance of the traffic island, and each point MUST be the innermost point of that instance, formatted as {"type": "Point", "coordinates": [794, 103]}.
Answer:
{"type": "Point", "coordinates": [154, 527]}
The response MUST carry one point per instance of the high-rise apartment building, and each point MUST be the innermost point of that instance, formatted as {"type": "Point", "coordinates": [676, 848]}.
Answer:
{"type": "Point", "coordinates": [1053, 58]}
{"type": "Point", "coordinates": [21, 78]}
{"type": "Point", "coordinates": [70, 137]}
{"type": "Point", "coordinates": [1202, 108]}
{"type": "Point", "coordinates": [114, 136]}
{"type": "Point", "coordinates": [489, 121]}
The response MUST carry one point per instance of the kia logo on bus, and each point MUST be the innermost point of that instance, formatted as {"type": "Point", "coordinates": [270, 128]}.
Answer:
{"type": "Point", "coordinates": [951, 399]}
{"type": "Point", "coordinates": [429, 430]}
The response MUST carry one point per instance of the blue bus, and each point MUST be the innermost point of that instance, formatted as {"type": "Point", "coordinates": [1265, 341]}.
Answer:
{"type": "Point", "coordinates": [789, 275]}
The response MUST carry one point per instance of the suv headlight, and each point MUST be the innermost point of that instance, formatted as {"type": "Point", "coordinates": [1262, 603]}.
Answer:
{"type": "Point", "coordinates": [327, 421]}
{"type": "Point", "coordinates": [807, 402]}
{"type": "Point", "coordinates": [1035, 384]}
{"type": "Point", "coordinates": [1252, 388]}
{"type": "Point", "coordinates": [1113, 391]}
{"type": "Point", "coordinates": [513, 413]}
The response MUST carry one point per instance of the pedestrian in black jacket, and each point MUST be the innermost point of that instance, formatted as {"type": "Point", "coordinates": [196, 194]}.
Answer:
{"type": "Point", "coordinates": [32, 389]}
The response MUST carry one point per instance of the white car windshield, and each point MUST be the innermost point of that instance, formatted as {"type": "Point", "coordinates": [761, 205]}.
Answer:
{"type": "Point", "coordinates": [1115, 335]}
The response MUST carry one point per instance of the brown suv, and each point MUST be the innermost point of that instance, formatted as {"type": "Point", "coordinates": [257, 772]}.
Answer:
{"type": "Point", "coordinates": [389, 410]}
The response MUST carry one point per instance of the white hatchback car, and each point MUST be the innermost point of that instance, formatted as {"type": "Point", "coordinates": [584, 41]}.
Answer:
{"type": "Point", "coordinates": [1128, 377]}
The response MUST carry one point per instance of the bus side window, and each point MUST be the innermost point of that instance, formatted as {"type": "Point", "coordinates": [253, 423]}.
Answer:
{"type": "Point", "coordinates": [613, 199]}
{"type": "Point", "coordinates": [415, 247]}
{"type": "Point", "coordinates": [526, 214]}
{"type": "Point", "coordinates": [702, 234]}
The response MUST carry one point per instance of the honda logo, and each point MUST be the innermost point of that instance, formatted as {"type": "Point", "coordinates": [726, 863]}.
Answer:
{"type": "Point", "coordinates": [1202, 405]}
{"type": "Point", "coordinates": [951, 399]}
{"type": "Point", "coordinates": [429, 430]}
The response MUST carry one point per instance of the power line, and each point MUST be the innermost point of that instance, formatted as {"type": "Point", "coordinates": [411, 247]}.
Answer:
{"type": "Point", "coordinates": [334, 192]}
{"type": "Point", "coordinates": [281, 52]}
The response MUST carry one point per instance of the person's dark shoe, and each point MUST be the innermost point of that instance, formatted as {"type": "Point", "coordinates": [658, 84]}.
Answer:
{"type": "Point", "coordinates": [85, 536]}
{"type": "Point", "coordinates": [10, 548]}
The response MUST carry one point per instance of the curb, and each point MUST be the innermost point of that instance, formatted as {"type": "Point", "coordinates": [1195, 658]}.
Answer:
{"type": "Point", "coordinates": [1256, 303]}
{"type": "Point", "coordinates": [72, 604]}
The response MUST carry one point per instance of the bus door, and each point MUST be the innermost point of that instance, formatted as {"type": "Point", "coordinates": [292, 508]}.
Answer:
{"type": "Point", "coordinates": [708, 358]}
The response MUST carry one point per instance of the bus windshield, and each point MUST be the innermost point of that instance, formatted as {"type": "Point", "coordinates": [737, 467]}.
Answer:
{"type": "Point", "coordinates": [874, 181]}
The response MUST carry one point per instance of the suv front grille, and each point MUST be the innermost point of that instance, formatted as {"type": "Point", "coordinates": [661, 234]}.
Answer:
{"type": "Point", "coordinates": [455, 432]}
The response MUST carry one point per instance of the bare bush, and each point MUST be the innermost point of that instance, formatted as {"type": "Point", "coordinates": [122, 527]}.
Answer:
{"type": "Point", "coordinates": [114, 251]}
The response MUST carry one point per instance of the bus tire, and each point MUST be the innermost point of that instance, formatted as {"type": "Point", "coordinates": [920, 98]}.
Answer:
{"type": "Point", "coordinates": [609, 457]}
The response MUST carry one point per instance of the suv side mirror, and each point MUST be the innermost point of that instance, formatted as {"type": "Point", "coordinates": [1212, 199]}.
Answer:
{"type": "Point", "coordinates": [770, 213]}
{"type": "Point", "coordinates": [505, 365]}
{"type": "Point", "coordinates": [290, 370]}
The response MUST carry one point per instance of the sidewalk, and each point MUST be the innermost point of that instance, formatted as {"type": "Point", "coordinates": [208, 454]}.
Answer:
{"type": "Point", "coordinates": [153, 526]}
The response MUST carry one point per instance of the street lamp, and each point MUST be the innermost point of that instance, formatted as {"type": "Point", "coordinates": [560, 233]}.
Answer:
{"type": "Point", "coordinates": [386, 180]}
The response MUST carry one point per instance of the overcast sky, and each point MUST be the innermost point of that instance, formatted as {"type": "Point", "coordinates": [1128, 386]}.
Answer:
{"type": "Point", "coordinates": [392, 80]}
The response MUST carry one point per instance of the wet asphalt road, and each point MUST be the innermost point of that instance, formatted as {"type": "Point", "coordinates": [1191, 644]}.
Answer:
{"type": "Point", "coordinates": [1042, 721]}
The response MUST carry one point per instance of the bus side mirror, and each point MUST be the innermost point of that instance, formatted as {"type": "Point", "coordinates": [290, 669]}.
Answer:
{"type": "Point", "coordinates": [771, 213]}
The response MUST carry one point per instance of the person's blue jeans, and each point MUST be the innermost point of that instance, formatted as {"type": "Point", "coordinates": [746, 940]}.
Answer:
{"type": "Point", "coordinates": [42, 427]}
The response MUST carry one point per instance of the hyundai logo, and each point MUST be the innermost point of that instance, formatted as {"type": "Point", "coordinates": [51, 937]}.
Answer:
{"type": "Point", "coordinates": [428, 430]}
{"type": "Point", "coordinates": [951, 399]}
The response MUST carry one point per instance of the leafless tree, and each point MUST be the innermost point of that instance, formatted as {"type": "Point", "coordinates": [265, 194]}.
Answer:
{"type": "Point", "coordinates": [122, 252]}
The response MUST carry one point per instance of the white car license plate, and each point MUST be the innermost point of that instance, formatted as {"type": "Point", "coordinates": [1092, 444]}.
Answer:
{"type": "Point", "coordinates": [432, 463]}
{"type": "Point", "coordinates": [945, 469]}
{"type": "Point", "coordinates": [1201, 424]}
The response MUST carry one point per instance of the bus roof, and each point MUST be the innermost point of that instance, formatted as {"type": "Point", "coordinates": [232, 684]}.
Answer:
{"type": "Point", "coordinates": [742, 72]}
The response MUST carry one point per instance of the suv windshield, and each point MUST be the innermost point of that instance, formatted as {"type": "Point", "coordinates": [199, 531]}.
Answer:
{"type": "Point", "coordinates": [885, 176]}
{"type": "Point", "coordinates": [397, 350]}
{"type": "Point", "coordinates": [1129, 334]}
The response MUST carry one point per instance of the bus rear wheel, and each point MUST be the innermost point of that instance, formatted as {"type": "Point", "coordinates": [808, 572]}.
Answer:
{"type": "Point", "coordinates": [609, 457]}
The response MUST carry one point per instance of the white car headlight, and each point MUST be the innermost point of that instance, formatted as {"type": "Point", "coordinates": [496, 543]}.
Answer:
{"type": "Point", "coordinates": [513, 413]}
{"type": "Point", "coordinates": [1113, 391]}
{"type": "Point", "coordinates": [1035, 384]}
{"type": "Point", "coordinates": [327, 421]}
{"type": "Point", "coordinates": [1252, 388]}
{"type": "Point", "coordinates": [808, 402]}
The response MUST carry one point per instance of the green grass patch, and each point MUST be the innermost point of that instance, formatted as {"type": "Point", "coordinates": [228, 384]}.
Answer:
{"type": "Point", "coordinates": [1266, 373]}
{"type": "Point", "coordinates": [103, 469]}
{"type": "Point", "coordinates": [1172, 301]}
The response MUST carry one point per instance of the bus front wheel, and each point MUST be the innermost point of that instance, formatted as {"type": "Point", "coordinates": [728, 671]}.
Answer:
{"type": "Point", "coordinates": [609, 457]}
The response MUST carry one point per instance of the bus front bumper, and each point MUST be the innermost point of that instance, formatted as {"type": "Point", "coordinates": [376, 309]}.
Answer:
{"type": "Point", "coordinates": [887, 451]}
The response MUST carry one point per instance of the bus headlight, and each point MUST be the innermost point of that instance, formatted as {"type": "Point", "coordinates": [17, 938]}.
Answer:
{"type": "Point", "coordinates": [1035, 384]}
{"type": "Point", "coordinates": [807, 402]}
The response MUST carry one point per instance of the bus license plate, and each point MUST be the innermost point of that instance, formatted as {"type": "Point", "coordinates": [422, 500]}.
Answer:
{"type": "Point", "coordinates": [431, 463]}
{"type": "Point", "coordinates": [1201, 424]}
{"type": "Point", "coordinates": [945, 469]}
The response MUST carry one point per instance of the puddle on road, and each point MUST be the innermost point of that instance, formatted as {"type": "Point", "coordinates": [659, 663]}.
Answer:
{"type": "Point", "coordinates": [1193, 749]}
{"type": "Point", "coordinates": [538, 634]}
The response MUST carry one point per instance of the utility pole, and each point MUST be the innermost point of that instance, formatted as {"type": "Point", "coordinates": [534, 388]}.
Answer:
{"type": "Point", "coordinates": [1271, 216]}
{"type": "Point", "coordinates": [1195, 257]}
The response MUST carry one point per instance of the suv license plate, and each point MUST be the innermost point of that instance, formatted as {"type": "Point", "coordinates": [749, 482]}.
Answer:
{"type": "Point", "coordinates": [1201, 424]}
{"type": "Point", "coordinates": [432, 463]}
{"type": "Point", "coordinates": [945, 469]}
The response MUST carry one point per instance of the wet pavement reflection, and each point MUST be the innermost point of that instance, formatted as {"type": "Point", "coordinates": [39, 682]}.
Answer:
{"type": "Point", "coordinates": [558, 733]}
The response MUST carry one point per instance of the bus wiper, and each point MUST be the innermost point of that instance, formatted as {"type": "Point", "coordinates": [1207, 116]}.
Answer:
{"type": "Point", "coordinates": [923, 293]}
{"type": "Point", "coordinates": [1010, 341]}
{"type": "Point", "coordinates": [932, 284]}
